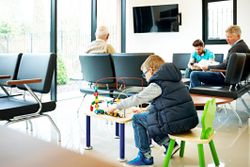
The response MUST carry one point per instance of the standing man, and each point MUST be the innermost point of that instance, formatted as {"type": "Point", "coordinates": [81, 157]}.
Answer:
{"type": "Point", "coordinates": [100, 45]}
{"type": "Point", "coordinates": [233, 38]}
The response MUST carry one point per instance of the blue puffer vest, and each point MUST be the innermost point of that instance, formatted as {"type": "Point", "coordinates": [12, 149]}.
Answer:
{"type": "Point", "coordinates": [173, 111]}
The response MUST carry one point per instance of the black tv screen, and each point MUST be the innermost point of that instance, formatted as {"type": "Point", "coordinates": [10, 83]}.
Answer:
{"type": "Point", "coordinates": [162, 18]}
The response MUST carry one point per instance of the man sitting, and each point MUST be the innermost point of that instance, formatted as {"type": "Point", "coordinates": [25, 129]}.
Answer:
{"type": "Point", "coordinates": [201, 56]}
{"type": "Point", "coordinates": [100, 45]}
{"type": "Point", "coordinates": [233, 38]}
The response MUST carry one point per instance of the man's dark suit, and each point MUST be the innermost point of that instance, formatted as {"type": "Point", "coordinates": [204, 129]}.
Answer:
{"type": "Point", "coordinates": [239, 47]}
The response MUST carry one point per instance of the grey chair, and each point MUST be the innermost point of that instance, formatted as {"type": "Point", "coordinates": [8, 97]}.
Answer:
{"type": "Point", "coordinates": [181, 60]}
{"type": "Point", "coordinates": [35, 75]}
{"type": "Point", "coordinates": [128, 73]}
{"type": "Point", "coordinates": [246, 70]}
{"type": "Point", "coordinates": [219, 57]}
{"type": "Point", "coordinates": [9, 64]}
{"type": "Point", "coordinates": [128, 65]}
{"type": "Point", "coordinates": [97, 69]}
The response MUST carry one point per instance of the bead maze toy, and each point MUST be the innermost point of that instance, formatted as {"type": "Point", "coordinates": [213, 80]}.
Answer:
{"type": "Point", "coordinates": [95, 105]}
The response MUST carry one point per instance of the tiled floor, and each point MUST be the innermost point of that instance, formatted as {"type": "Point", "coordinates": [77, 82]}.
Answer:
{"type": "Point", "coordinates": [232, 143]}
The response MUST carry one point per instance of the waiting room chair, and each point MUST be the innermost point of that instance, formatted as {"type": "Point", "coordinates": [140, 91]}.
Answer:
{"type": "Point", "coordinates": [97, 69]}
{"type": "Point", "coordinates": [9, 64]}
{"type": "Point", "coordinates": [245, 81]}
{"type": "Point", "coordinates": [233, 77]}
{"type": "Point", "coordinates": [128, 73]}
{"type": "Point", "coordinates": [35, 75]}
{"type": "Point", "coordinates": [129, 65]}
{"type": "Point", "coordinates": [219, 57]}
{"type": "Point", "coordinates": [181, 60]}
{"type": "Point", "coordinates": [246, 71]}
{"type": "Point", "coordinates": [198, 136]}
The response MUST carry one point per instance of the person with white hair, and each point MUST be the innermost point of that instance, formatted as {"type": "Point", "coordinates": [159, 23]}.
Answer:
{"type": "Point", "coordinates": [100, 45]}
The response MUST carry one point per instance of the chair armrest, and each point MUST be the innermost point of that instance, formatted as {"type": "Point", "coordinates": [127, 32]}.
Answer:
{"type": "Point", "coordinates": [217, 70]}
{"type": "Point", "coordinates": [23, 81]}
{"type": "Point", "coordinates": [220, 71]}
{"type": "Point", "coordinates": [4, 76]}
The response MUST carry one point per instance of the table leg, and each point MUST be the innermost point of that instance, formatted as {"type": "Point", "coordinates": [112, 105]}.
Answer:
{"type": "Point", "coordinates": [117, 130]}
{"type": "Point", "coordinates": [122, 143]}
{"type": "Point", "coordinates": [88, 145]}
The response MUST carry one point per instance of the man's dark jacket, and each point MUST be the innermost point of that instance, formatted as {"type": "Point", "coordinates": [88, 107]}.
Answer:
{"type": "Point", "coordinates": [173, 111]}
{"type": "Point", "coordinates": [239, 47]}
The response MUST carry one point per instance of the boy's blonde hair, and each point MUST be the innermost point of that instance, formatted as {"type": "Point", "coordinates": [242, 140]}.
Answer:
{"type": "Point", "coordinates": [234, 29]}
{"type": "Point", "coordinates": [154, 62]}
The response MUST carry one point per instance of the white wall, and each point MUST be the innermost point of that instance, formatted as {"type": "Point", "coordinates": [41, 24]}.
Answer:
{"type": "Point", "coordinates": [165, 44]}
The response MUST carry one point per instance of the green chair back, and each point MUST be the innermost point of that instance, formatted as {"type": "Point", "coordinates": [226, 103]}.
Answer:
{"type": "Point", "coordinates": [207, 119]}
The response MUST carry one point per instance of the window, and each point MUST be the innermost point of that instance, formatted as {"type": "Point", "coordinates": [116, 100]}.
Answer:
{"type": "Point", "coordinates": [108, 14]}
{"type": "Point", "coordinates": [73, 35]}
{"type": "Point", "coordinates": [217, 16]}
{"type": "Point", "coordinates": [24, 26]}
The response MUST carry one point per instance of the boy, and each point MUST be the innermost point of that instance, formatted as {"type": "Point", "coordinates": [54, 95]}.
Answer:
{"type": "Point", "coordinates": [171, 110]}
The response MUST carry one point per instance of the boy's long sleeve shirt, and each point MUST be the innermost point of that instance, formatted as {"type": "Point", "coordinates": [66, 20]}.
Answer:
{"type": "Point", "coordinates": [146, 95]}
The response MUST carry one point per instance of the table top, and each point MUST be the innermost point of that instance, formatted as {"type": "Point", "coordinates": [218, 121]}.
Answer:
{"type": "Point", "coordinates": [200, 100]}
{"type": "Point", "coordinates": [22, 150]}
{"type": "Point", "coordinates": [128, 118]}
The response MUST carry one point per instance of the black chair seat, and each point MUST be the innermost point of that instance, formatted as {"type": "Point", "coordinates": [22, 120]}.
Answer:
{"type": "Point", "coordinates": [222, 91]}
{"type": "Point", "coordinates": [11, 107]}
{"type": "Point", "coordinates": [9, 64]}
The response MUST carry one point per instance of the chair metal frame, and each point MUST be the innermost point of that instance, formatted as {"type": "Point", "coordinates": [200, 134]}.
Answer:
{"type": "Point", "coordinates": [30, 85]}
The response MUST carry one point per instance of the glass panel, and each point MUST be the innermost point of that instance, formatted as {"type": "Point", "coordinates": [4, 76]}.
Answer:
{"type": "Point", "coordinates": [73, 35]}
{"type": "Point", "coordinates": [108, 14]}
{"type": "Point", "coordinates": [220, 16]}
{"type": "Point", "coordinates": [24, 26]}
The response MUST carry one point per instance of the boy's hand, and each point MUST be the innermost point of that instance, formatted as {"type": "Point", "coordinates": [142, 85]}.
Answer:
{"type": "Point", "coordinates": [138, 110]}
{"type": "Point", "coordinates": [111, 109]}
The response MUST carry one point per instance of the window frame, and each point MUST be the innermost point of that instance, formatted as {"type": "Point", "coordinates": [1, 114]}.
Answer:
{"type": "Point", "coordinates": [205, 21]}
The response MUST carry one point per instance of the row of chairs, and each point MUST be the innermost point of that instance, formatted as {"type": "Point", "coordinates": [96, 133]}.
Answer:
{"type": "Point", "coordinates": [181, 59]}
{"type": "Point", "coordinates": [31, 73]}
{"type": "Point", "coordinates": [119, 74]}
{"type": "Point", "coordinates": [117, 71]}
{"type": "Point", "coordinates": [122, 69]}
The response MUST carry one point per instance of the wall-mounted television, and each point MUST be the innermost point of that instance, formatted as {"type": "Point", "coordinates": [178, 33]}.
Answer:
{"type": "Point", "coordinates": [161, 18]}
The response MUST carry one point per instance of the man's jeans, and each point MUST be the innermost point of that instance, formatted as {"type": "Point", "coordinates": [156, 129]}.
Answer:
{"type": "Point", "coordinates": [208, 78]}
{"type": "Point", "coordinates": [141, 137]}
